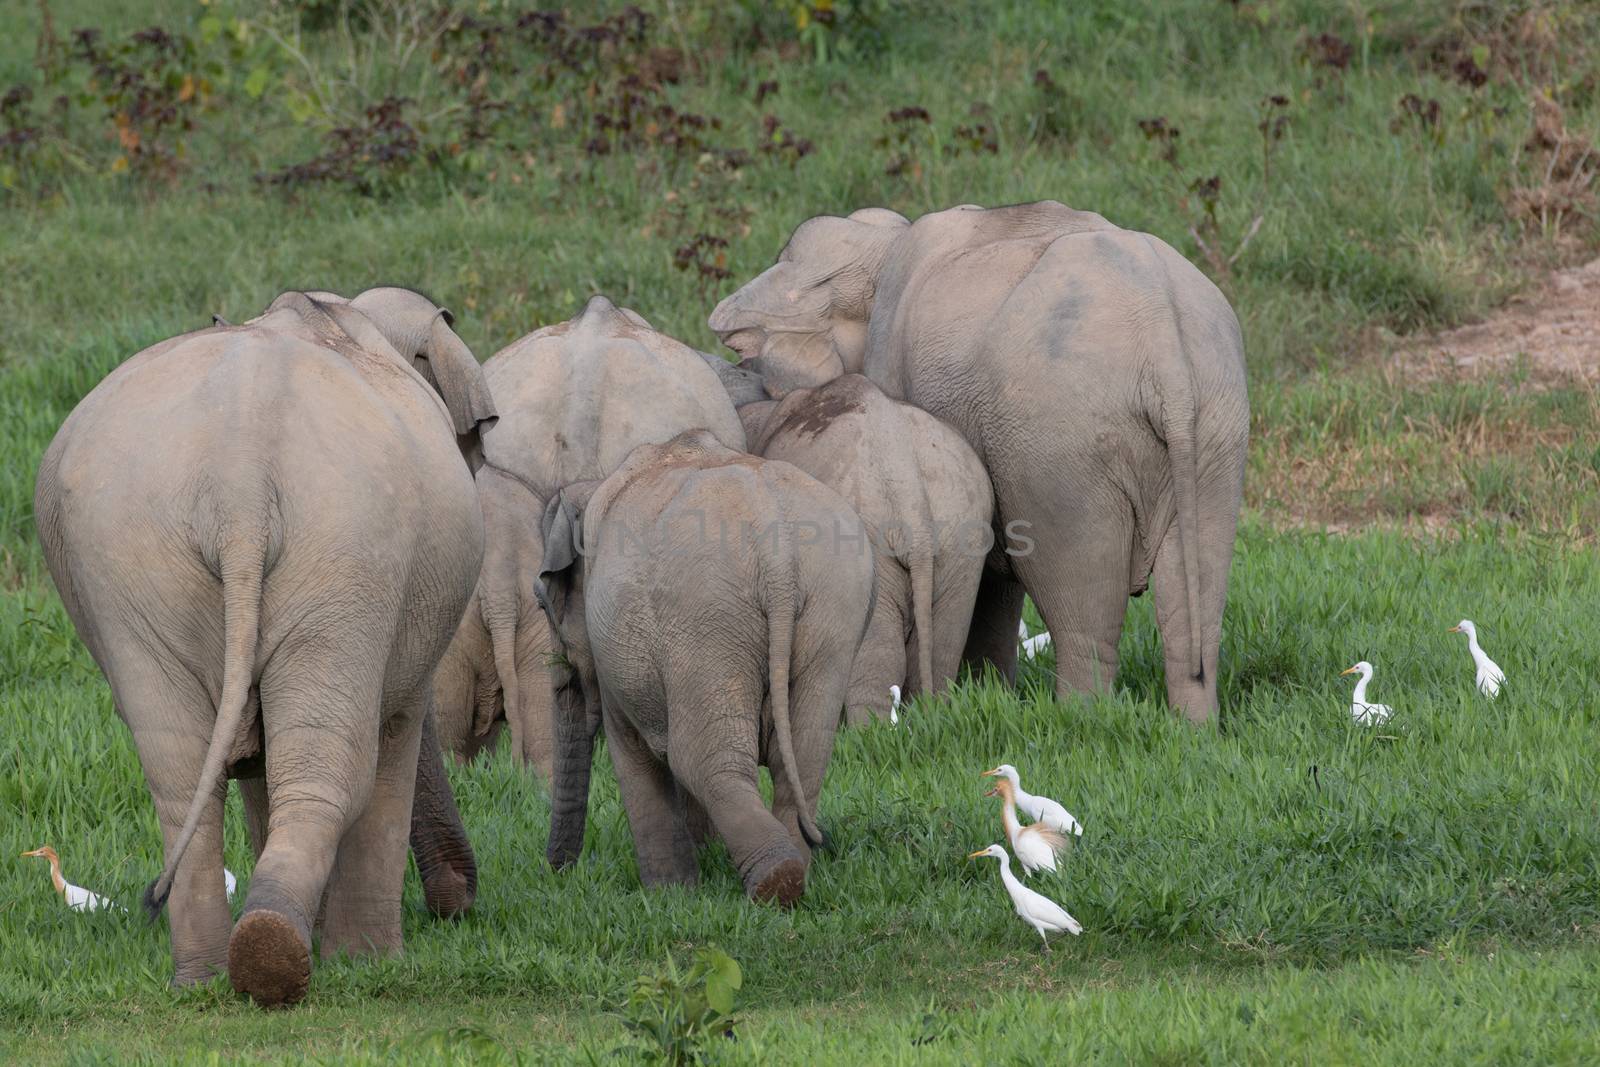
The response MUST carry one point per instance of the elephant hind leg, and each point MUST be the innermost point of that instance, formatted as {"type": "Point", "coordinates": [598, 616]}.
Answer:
{"type": "Point", "coordinates": [992, 636]}
{"type": "Point", "coordinates": [362, 909]}
{"type": "Point", "coordinates": [321, 758]}
{"type": "Point", "coordinates": [1077, 574]}
{"type": "Point", "coordinates": [881, 660]}
{"type": "Point", "coordinates": [956, 582]}
{"type": "Point", "coordinates": [661, 842]}
{"type": "Point", "coordinates": [818, 691]}
{"type": "Point", "coordinates": [445, 860]}
{"type": "Point", "coordinates": [721, 773]}
{"type": "Point", "coordinates": [171, 718]}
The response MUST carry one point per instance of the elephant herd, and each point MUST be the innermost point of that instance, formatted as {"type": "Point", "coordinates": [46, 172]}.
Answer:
{"type": "Point", "coordinates": [311, 550]}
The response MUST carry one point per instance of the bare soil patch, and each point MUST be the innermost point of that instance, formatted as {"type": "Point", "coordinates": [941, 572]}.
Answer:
{"type": "Point", "coordinates": [1551, 331]}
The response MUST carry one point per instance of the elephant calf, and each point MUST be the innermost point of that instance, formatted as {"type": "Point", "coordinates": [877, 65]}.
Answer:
{"type": "Point", "coordinates": [574, 399]}
{"type": "Point", "coordinates": [926, 502]}
{"type": "Point", "coordinates": [707, 607]}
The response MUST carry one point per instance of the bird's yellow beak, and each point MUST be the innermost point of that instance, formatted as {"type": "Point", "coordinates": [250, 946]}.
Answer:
{"type": "Point", "coordinates": [975, 855]}
{"type": "Point", "coordinates": [992, 793]}
{"type": "Point", "coordinates": [1453, 630]}
{"type": "Point", "coordinates": [990, 774]}
{"type": "Point", "coordinates": [35, 852]}
{"type": "Point", "coordinates": [1348, 670]}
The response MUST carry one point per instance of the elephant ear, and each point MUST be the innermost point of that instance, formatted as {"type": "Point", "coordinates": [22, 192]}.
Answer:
{"type": "Point", "coordinates": [457, 376]}
{"type": "Point", "coordinates": [420, 332]}
{"type": "Point", "coordinates": [562, 529]}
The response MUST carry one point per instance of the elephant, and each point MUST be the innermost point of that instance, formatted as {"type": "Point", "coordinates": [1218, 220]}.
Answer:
{"type": "Point", "coordinates": [1097, 374]}
{"type": "Point", "coordinates": [266, 535]}
{"type": "Point", "coordinates": [707, 605]}
{"type": "Point", "coordinates": [927, 505]}
{"type": "Point", "coordinates": [574, 399]}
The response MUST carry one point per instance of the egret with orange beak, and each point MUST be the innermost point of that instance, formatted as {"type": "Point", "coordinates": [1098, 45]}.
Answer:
{"type": "Point", "coordinates": [1362, 712]}
{"type": "Point", "coordinates": [1035, 909]}
{"type": "Point", "coordinates": [1039, 809]}
{"type": "Point", "coordinates": [77, 898]}
{"type": "Point", "coordinates": [1036, 845]}
{"type": "Point", "coordinates": [1489, 673]}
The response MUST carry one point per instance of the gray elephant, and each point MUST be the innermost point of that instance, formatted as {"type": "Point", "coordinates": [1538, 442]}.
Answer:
{"type": "Point", "coordinates": [707, 607]}
{"type": "Point", "coordinates": [1096, 372]}
{"type": "Point", "coordinates": [265, 535]}
{"type": "Point", "coordinates": [926, 504]}
{"type": "Point", "coordinates": [574, 399]}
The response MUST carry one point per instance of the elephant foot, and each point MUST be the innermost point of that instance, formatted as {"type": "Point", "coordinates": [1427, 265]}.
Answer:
{"type": "Point", "coordinates": [268, 961]}
{"type": "Point", "coordinates": [783, 885]}
{"type": "Point", "coordinates": [185, 977]}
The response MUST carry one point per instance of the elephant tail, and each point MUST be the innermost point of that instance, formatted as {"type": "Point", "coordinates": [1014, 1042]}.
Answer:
{"type": "Point", "coordinates": [922, 610]}
{"type": "Point", "coordinates": [780, 650]}
{"type": "Point", "coordinates": [243, 569]}
{"type": "Point", "coordinates": [1179, 422]}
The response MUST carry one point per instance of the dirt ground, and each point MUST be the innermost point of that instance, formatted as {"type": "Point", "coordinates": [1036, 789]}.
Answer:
{"type": "Point", "coordinates": [1553, 330]}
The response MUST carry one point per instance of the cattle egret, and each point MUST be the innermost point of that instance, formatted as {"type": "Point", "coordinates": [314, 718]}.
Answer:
{"type": "Point", "coordinates": [1362, 712]}
{"type": "Point", "coordinates": [1036, 845]}
{"type": "Point", "coordinates": [1489, 673]}
{"type": "Point", "coordinates": [230, 881]}
{"type": "Point", "coordinates": [1039, 809]}
{"type": "Point", "coordinates": [1032, 646]}
{"type": "Point", "coordinates": [77, 898]}
{"type": "Point", "coordinates": [894, 705]}
{"type": "Point", "coordinates": [1036, 909]}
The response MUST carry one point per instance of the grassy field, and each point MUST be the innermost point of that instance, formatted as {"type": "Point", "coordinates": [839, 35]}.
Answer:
{"type": "Point", "coordinates": [1289, 888]}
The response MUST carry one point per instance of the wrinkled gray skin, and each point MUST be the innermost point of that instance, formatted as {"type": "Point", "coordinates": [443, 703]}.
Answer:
{"type": "Point", "coordinates": [265, 535]}
{"type": "Point", "coordinates": [711, 617]}
{"type": "Point", "coordinates": [574, 399]}
{"type": "Point", "coordinates": [927, 505]}
{"type": "Point", "coordinates": [1097, 374]}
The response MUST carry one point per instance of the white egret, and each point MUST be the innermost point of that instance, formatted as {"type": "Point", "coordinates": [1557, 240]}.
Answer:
{"type": "Point", "coordinates": [1039, 809]}
{"type": "Point", "coordinates": [77, 898]}
{"type": "Point", "coordinates": [229, 881]}
{"type": "Point", "coordinates": [1032, 646]}
{"type": "Point", "coordinates": [1036, 909]}
{"type": "Point", "coordinates": [894, 705]}
{"type": "Point", "coordinates": [1489, 673]}
{"type": "Point", "coordinates": [1362, 712]}
{"type": "Point", "coordinates": [1036, 845]}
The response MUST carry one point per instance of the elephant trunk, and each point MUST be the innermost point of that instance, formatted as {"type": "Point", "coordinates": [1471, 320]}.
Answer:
{"type": "Point", "coordinates": [438, 839]}
{"type": "Point", "coordinates": [569, 785]}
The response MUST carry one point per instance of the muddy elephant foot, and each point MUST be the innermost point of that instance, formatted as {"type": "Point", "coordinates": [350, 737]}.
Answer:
{"type": "Point", "coordinates": [783, 884]}
{"type": "Point", "coordinates": [268, 960]}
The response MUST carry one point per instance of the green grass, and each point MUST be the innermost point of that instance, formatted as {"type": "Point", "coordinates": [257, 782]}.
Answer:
{"type": "Point", "coordinates": [1288, 888]}
{"type": "Point", "coordinates": [1291, 839]}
